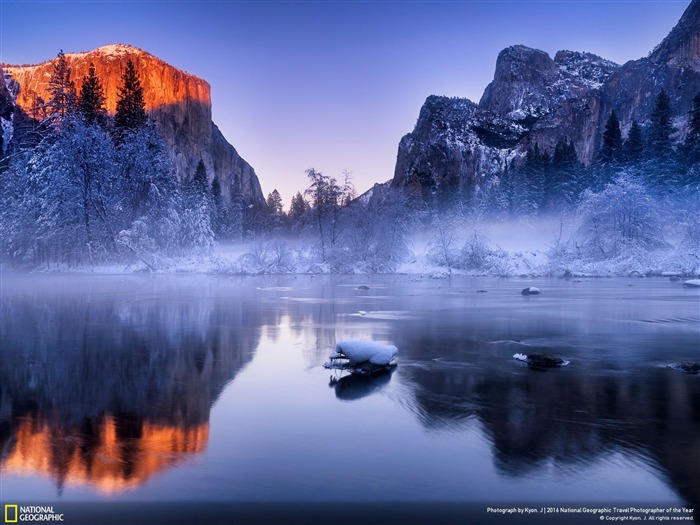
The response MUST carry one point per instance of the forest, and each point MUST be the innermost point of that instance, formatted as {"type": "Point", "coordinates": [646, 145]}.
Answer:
{"type": "Point", "coordinates": [81, 189]}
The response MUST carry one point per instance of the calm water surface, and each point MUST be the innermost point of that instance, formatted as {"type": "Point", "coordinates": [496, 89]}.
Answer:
{"type": "Point", "coordinates": [126, 390]}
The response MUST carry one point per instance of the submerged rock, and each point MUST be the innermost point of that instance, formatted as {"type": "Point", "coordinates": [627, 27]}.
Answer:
{"type": "Point", "coordinates": [363, 287]}
{"type": "Point", "coordinates": [531, 290]}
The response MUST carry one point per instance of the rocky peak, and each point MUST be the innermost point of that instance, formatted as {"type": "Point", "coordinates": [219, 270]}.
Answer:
{"type": "Point", "coordinates": [534, 99]}
{"type": "Point", "coordinates": [528, 84]}
{"type": "Point", "coordinates": [116, 50]}
{"type": "Point", "coordinates": [681, 48]}
{"type": "Point", "coordinates": [586, 67]}
{"type": "Point", "coordinates": [515, 62]}
{"type": "Point", "coordinates": [178, 103]}
{"type": "Point", "coordinates": [520, 84]}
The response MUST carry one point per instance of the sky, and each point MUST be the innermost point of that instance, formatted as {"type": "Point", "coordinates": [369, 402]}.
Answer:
{"type": "Point", "coordinates": [331, 85]}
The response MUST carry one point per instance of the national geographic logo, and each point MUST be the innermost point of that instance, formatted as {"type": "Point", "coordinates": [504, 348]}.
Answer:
{"type": "Point", "coordinates": [10, 513]}
{"type": "Point", "coordinates": [31, 513]}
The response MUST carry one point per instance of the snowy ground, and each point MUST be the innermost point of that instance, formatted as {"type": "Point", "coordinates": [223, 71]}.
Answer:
{"type": "Point", "coordinates": [296, 257]}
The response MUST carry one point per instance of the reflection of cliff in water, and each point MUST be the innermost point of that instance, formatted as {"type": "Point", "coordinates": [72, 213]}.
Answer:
{"type": "Point", "coordinates": [572, 416]}
{"type": "Point", "coordinates": [99, 388]}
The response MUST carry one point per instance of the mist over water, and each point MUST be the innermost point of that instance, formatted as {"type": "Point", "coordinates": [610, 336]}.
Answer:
{"type": "Point", "coordinates": [128, 389]}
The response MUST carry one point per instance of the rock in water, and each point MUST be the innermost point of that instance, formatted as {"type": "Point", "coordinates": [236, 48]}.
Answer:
{"type": "Point", "coordinates": [689, 367]}
{"type": "Point", "coordinates": [692, 283]}
{"type": "Point", "coordinates": [358, 351]}
{"type": "Point", "coordinates": [531, 290]}
{"type": "Point", "coordinates": [541, 360]}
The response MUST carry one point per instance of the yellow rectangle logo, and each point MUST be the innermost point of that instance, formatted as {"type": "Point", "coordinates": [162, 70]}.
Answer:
{"type": "Point", "coordinates": [10, 511]}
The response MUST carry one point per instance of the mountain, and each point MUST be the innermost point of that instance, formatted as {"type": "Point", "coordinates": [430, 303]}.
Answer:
{"type": "Point", "coordinates": [536, 99]}
{"type": "Point", "coordinates": [178, 103]}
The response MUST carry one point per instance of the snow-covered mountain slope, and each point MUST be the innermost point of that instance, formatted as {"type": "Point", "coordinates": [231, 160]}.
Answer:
{"type": "Point", "coordinates": [536, 99]}
{"type": "Point", "coordinates": [179, 104]}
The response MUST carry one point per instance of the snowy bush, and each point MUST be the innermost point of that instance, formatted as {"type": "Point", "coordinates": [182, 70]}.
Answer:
{"type": "Point", "coordinates": [268, 257]}
{"type": "Point", "coordinates": [622, 217]}
{"type": "Point", "coordinates": [443, 249]}
{"type": "Point", "coordinates": [476, 254]}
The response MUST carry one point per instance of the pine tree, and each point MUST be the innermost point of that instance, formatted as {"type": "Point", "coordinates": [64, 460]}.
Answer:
{"type": "Point", "coordinates": [692, 141]}
{"type": "Point", "coordinates": [661, 128]}
{"type": "Point", "coordinates": [561, 184]}
{"type": "Point", "coordinates": [218, 210]}
{"type": "Point", "coordinates": [564, 154]}
{"type": "Point", "coordinates": [199, 181]}
{"type": "Point", "coordinates": [612, 141]}
{"type": "Point", "coordinates": [274, 202]}
{"type": "Point", "coordinates": [275, 213]}
{"type": "Point", "coordinates": [297, 208]}
{"type": "Point", "coordinates": [198, 211]}
{"type": "Point", "coordinates": [92, 99]}
{"type": "Point", "coordinates": [633, 148]}
{"type": "Point", "coordinates": [131, 107]}
{"type": "Point", "coordinates": [532, 179]}
{"type": "Point", "coordinates": [62, 89]}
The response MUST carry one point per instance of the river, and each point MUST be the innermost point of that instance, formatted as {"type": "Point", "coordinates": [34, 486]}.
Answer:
{"type": "Point", "coordinates": [173, 398]}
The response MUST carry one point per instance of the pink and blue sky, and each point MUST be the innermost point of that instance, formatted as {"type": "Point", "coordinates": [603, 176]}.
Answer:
{"type": "Point", "coordinates": [332, 85]}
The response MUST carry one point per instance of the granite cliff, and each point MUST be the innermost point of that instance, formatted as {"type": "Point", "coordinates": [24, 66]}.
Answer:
{"type": "Point", "coordinates": [178, 103]}
{"type": "Point", "coordinates": [536, 99]}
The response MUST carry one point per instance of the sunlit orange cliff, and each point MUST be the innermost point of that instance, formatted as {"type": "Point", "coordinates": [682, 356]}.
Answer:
{"type": "Point", "coordinates": [178, 103]}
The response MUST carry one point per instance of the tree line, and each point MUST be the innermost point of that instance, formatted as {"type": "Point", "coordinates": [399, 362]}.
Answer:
{"type": "Point", "coordinates": [82, 187]}
{"type": "Point", "coordinates": [552, 181]}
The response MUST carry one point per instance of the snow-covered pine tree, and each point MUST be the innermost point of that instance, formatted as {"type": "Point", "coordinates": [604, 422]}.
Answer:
{"type": "Point", "coordinates": [633, 147]}
{"type": "Point", "coordinates": [661, 128]}
{"type": "Point", "coordinates": [70, 178]}
{"type": "Point", "coordinates": [19, 209]}
{"type": "Point", "coordinates": [692, 141]}
{"type": "Point", "coordinates": [218, 212]}
{"type": "Point", "coordinates": [197, 211]}
{"type": "Point", "coordinates": [661, 165]}
{"type": "Point", "coordinates": [561, 177]}
{"type": "Point", "coordinates": [610, 151]}
{"type": "Point", "coordinates": [148, 192]}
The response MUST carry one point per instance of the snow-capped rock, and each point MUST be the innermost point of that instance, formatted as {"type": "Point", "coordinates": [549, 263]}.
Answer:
{"type": "Point", "coordinates": [362, 356]}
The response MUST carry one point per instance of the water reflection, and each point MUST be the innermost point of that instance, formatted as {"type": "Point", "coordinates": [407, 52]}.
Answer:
{"type": "Point", "coordinates": [568, 418]}
{"type": "Point", "coordinates": [111, 384]}
{"type": "Point", "coordinates": [112, 453]}
{"type": "Point", "coordinates": [351, 387]}
{"type": "Point", "coordinates": [106, 389]}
